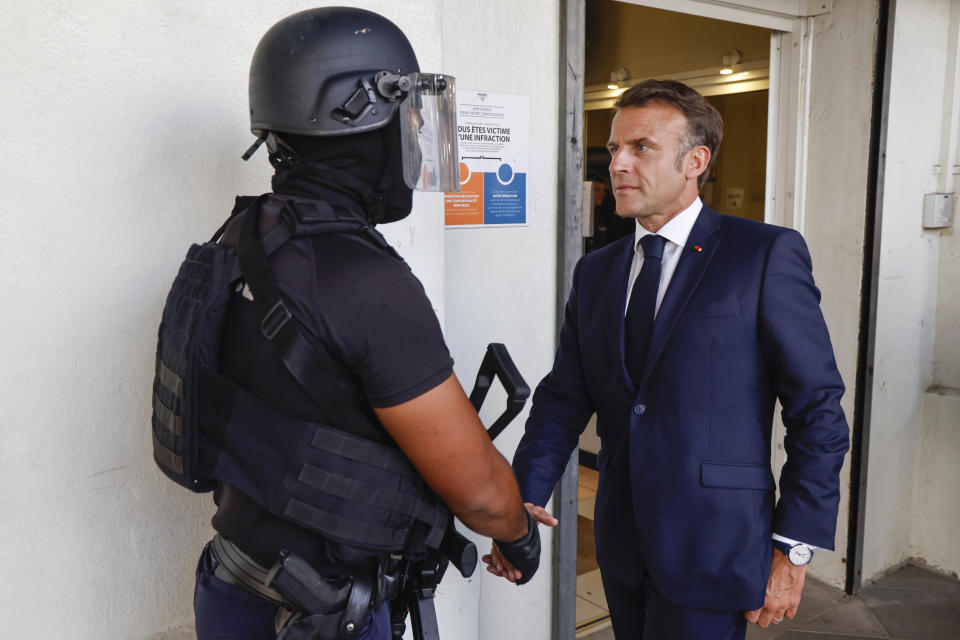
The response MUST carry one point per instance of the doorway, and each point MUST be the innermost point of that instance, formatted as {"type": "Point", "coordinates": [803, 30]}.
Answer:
{"type": "Point", "coordinates": [729, 63]}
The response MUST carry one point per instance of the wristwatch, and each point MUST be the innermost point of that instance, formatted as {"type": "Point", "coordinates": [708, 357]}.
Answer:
{"type": "Point", "coordinates": [798, 554]}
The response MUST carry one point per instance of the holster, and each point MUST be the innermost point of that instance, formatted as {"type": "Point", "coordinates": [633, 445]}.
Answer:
{"type": "Point", "coordinates": [323, 611]}
{"type": "Point", "coordinates": [342, 624]}
{"type": "Point", "coordinates": [322, 608]}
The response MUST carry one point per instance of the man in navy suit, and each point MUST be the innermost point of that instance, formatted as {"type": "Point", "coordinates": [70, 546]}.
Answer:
{"type": "Point", "coordinates": [681, 338]}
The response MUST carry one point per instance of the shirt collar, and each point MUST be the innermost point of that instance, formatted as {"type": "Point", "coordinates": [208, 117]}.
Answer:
{"type": "Point", "coordinates": [677, 229]}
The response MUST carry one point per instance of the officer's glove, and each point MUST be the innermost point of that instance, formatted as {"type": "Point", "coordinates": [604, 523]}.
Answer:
{"type": "Point", "coordinates": [523, 554]}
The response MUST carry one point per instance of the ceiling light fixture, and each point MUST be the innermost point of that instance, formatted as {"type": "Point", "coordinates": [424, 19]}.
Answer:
{"type": "Point", "coordinates": [730, 58]}
{"type": "Point", "coordinates": [618, 76]}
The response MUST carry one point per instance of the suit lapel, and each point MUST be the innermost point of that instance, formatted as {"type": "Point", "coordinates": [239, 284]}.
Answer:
{"type": "Point", "coordinates": [689, 271]}
{"type": "Point", "coordinates": [616, 295]}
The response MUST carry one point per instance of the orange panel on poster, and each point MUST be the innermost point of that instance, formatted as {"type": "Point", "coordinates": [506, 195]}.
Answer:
{"type": "Point", "coordinates": [465, 207]}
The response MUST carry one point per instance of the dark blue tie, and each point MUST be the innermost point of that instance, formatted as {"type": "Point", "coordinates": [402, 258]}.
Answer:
{"type": "Point", "coordinates": [643, 304]}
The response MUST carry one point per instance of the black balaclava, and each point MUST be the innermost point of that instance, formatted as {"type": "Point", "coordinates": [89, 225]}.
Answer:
{"type": "Point", "coordinates": [366, 167]}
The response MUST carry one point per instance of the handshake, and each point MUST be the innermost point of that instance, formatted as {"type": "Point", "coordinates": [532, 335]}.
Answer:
{"type": "Point", "coordinates": [518, 560]}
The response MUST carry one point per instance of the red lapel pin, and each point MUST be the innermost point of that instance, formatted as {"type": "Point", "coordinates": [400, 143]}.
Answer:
{"type": "Point", "coordinates": [697, 248]}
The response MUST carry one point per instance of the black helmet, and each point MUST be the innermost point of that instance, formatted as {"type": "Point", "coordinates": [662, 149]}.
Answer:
{"type": "Point", "coordinates": [340, 71]}
{"type": "Point", "coordinates": [316, 73]}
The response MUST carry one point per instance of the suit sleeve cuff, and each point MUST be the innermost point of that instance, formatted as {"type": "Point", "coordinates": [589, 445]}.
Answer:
{"type": "Point", "coordinates": [790, 541]}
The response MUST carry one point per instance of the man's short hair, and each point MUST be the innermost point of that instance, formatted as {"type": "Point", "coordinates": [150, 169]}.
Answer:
{"type": "Point", "coordinates": [704, 124]}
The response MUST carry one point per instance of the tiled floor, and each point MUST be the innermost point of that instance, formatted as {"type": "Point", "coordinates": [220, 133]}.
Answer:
{"type": "Point", "coordinates": [910, 604]}
{"type": "Point", "coordinates": [591, 604]}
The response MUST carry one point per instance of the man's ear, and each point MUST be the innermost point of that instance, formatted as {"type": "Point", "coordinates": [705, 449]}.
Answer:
{"type": "Point", "coordinates": [697, 161]}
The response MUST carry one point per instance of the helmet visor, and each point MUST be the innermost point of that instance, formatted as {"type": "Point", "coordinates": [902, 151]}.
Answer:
{"type": "Point", "coordinates": [428, 133]}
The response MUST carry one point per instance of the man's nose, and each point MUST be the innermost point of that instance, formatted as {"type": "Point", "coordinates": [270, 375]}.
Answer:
{"type": "Point", "coordinates": [617, 164]}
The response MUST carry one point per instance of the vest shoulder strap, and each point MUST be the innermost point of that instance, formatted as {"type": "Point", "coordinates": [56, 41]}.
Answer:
{"type": "Point", "coordinates": [305, 362]}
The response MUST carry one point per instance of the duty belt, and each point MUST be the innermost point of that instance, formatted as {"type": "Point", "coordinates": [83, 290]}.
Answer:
{"type": "Point", "coordinates": [237, 568]}
{"type": "Point", "coordinates": [321, 608]}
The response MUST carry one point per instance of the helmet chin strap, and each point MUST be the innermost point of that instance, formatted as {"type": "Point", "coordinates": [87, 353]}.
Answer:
{"type": "Point", "coordinates": [282, 156]}
{"type": "Point", "coordinates": [256, 145]}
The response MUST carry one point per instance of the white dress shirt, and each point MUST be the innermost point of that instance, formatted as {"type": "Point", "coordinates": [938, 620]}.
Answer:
{"type": "Point", "coordinates": [675, 231]}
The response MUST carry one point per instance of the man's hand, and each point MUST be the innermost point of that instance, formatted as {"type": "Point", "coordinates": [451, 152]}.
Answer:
{"type": "Point", "coordinates": [500, 566]}
{"type": "Point", "coordinates": [541, 515]}
{"type": "Point", "coordinates": [783, 592]}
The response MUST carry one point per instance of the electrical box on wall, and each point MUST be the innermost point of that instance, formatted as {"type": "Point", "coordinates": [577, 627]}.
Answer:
{"type": "Point", "coordinates": [938, 210]}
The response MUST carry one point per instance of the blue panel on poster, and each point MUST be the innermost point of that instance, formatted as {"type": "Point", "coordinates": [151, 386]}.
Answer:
{"type": "Point", "coordinates": [505, 203]}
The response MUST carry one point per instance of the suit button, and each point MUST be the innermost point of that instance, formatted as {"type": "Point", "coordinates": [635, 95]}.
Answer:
{"type": "Point", "coordinates": [640, 409]}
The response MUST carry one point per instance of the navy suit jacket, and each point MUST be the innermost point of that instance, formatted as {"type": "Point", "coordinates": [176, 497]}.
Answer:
{"type": "Point", "coordinates": [686, 491]}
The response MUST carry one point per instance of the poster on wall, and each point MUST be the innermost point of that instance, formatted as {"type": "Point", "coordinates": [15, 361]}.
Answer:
{"type": "Point", "coordinates": [493, 131]}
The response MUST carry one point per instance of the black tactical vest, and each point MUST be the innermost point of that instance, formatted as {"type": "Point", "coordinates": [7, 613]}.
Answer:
{"type": "Point", "coordinates": [206, 428]}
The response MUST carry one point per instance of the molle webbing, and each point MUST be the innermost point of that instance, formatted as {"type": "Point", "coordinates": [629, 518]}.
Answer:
{"type": "Point", "coordinates": [192, 325]}
{"type": "Point", "coordinates": [342, 486]}
{"type": "Point", "coordinates": [192, 320]}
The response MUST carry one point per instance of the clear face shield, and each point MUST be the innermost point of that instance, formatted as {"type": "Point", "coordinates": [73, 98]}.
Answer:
{"type": "Point", "coordinates": [428, 133]}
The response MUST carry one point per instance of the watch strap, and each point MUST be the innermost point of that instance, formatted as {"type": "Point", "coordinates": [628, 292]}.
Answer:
{"type": "Point", "coordinates": [783, 547]}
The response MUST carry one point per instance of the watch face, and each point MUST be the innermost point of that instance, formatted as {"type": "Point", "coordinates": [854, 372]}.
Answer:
{"type": "Point", "coordinates": [800, 554]}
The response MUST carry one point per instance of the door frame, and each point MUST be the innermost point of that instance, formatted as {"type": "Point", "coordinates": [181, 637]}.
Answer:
{"type": "Point", "coordinates": [791, 55]}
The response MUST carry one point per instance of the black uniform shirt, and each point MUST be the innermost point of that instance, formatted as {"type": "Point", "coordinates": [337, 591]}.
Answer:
{"type": "Point", "coordinates": [371, 312]}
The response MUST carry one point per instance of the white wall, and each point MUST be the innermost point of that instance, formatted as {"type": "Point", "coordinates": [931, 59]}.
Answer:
{"type": "Point", "coordinates": [122, 125]}
{"type": "Point", "coordinates": [935, 514]}
{"type": "Point", "coordinates": [501, 283]}
{"type": "Point", "coordinates": [935, 530]}
{"type": "Point", "coordinates": [946, 359]}
{"type": "Point", "coordinates": [911, 507]}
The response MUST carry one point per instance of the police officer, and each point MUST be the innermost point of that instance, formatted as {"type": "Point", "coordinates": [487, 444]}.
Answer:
{"type": "Point", "coordinates": [351, 127]}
